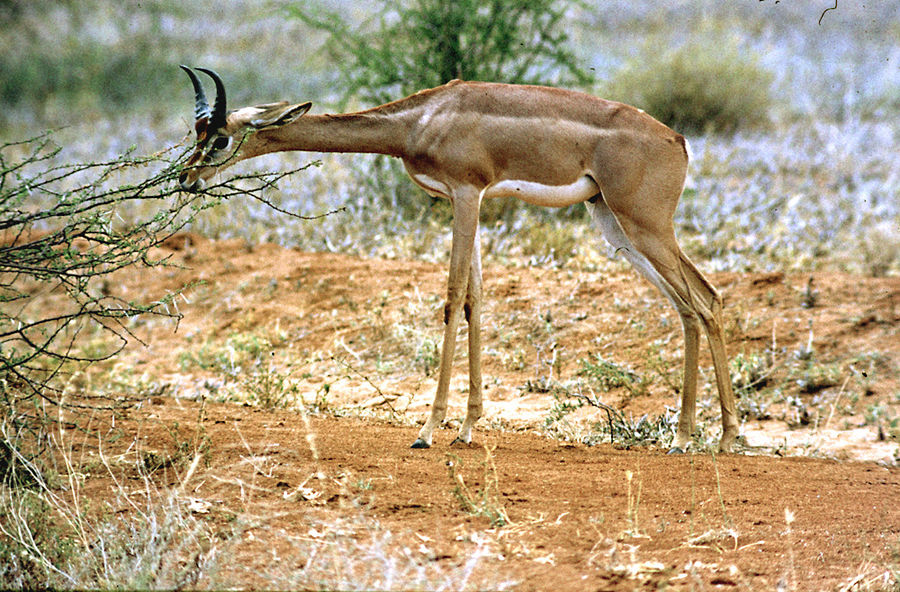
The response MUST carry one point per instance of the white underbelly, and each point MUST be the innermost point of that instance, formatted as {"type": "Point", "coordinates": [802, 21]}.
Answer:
{"type": "Point", "coordinates": [553, 196]}
{"type": "Point", "coordinates": [432, 186]}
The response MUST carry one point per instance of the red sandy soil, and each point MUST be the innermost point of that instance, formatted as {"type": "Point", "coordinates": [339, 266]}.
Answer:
{"type": "Point", "coordinates": [580, 518]}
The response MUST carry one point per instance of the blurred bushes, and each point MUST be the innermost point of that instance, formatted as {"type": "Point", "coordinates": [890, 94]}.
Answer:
{"type": "Point", "coordinates": [709, 84]}
{"type": "Point", "coordinates": [85, 75]}
{"type": "Point", "coordinates": [416, 44]}
{"type": "Point", "coordinates": [92, 57]}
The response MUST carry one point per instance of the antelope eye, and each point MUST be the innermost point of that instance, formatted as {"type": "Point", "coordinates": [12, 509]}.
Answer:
{"type": "Point", "coordinates": [221, 143]}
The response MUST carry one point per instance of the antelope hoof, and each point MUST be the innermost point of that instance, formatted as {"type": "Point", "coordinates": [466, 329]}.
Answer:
{"type": "Point", "coordinates": [420, 443]}
{"type": "Point", "coordinates": [460, 442]}
{"type": "Point", "coordinates": [730, 441]}
{"type": "Point", "coordinates": [675, 450]}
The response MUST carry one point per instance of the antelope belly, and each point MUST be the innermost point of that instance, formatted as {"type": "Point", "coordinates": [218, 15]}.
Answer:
{"type": "Point", "coordinates": [554, 196]}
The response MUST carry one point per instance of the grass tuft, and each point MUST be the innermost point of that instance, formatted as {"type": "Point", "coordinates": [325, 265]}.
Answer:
{"type": "Point", "coordinates": [483, 501]}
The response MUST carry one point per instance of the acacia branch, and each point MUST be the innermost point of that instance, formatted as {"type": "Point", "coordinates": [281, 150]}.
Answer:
{"type": "Point", "coordinates": [59, 225]}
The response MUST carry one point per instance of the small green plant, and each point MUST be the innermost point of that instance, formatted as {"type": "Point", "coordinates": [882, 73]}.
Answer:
{"type": "Point", "coordinates": [812, 377]}
{"type": "Point", "coordinates": [707, 84]}
{"type": "Point", "coordinates": [188, 444]}
{"type": "Point", "coordinates": [269, 387]}
{"type": "Point", "coordinates": [428, 355]}
{"type": "Point", "coordinates": [619, 429]}
{"type": "Point", "coordinates": [561, 407]}
{"type": "Point", "coordinates": [320, 402]}
{"type": "Point", "coordinates": [242, 353]}
{"type": "Point", "coordinates": [809, 298]}
{"type": "Point", "coordinates": [609, 375]}
{"type": "Point", "coordinates": [750, 372]}
{"type": "Point", "coordinates": [752, 375]}
{"type": "Point", "coordinates": [888, 424]}
{"type": "Point", "coordinates": [546, 242]}
{"type": "Point", "coordinates": [418, 345]}
{"type": "Point", "coordinates": [866, 366]}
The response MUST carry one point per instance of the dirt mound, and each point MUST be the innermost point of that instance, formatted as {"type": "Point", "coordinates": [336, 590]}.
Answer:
{"type": "Point", "coordinates": [358, 337]}
{"type": "Point", "coordinates": [579, 518]}
{"type": "Point", "coordinates": [819, 352]}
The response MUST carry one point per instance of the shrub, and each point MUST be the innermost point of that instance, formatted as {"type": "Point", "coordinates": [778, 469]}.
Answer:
{"type": "Point", "coordinates": [62, 233]}
{"type": "Point", "coordinates": [424, 43]}
{"type": "Point", "coordinates": [705, 85]}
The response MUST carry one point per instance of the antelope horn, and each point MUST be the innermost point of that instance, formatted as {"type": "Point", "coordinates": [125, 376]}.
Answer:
{"type": "Point", "coordinates": [218, 113]}
{"type": "Point", "coordinates": [201, 107]}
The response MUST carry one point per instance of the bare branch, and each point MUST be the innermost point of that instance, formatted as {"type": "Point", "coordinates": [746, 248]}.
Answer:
{"type": "Point", "coordinates": [59, 228]}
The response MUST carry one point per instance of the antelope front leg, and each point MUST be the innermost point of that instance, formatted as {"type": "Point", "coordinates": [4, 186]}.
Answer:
{"type": "Point", "coordinates": [473, 317]}
{"type": "Point", "coordinates": [465, 229]}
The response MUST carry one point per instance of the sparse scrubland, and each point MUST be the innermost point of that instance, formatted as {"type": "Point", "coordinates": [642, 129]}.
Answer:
{"type": "Point", "coordinates": [212, 456]}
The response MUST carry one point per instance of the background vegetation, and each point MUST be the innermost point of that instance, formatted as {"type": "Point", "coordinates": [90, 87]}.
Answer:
{"type": "Point", "coordinates": [406, 47]}
{"type": "Point", "coordinates": [800, 179]}
{"type": "Point", "coordinates": [794, 121]}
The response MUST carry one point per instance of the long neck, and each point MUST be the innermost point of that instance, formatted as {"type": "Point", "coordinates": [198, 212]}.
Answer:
{"type": "Point", "coordinates": [368, 131]}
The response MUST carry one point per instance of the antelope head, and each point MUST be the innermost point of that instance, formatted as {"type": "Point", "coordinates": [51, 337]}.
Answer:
{"type": "Point", "coordinates": [224, 138]}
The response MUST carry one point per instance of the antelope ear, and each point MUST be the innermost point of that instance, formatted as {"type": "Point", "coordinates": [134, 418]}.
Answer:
{"type": "Point", "coordinates": [278, 115]}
